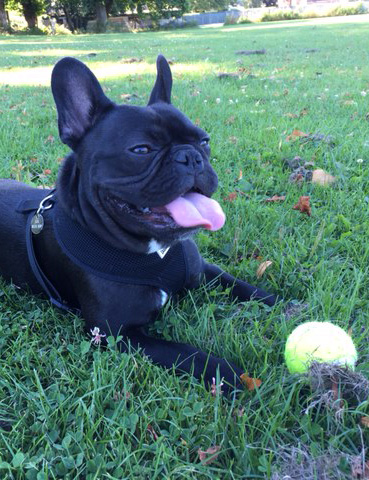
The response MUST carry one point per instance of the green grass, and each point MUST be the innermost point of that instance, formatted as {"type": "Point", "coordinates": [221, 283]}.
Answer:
{"type": "Point", "coordinates": [79, 412]}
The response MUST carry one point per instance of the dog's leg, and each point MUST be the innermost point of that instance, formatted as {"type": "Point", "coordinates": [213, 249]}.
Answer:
{"type": "Point", "coordinates": [185, 358]}
{"type": "Point", "coordinates": [239, 289]}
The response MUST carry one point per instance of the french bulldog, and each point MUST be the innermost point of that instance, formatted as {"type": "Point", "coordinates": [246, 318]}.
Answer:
{"type": "Point", "coordinates": [113, 241]}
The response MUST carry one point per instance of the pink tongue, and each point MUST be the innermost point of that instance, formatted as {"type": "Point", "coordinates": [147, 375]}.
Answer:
{"type": "Point", "coordinates": [193, 209]}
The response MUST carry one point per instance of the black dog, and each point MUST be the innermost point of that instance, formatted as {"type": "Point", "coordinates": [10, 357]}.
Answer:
{"type": "Point", "coordinates": [113, 239]}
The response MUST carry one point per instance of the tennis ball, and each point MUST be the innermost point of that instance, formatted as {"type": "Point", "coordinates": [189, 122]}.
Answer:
{"type": "Point", "coordinates": [321, 342]}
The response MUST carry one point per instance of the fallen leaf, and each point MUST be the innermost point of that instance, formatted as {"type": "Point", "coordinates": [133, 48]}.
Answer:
{"type": "Point", "coordinates": [230, 120]}
{"type": "Point", "coordinates": [150, 429]}
{"type": "Point", "coordinates": [50, 139]}
{"type": "Point", "coordinates": [47, 171]}
{"type": "Point", "coordinates": [359, 469]}
{"type": "Point", "coordinates": [262, 267]}
{"type": "Point", "coordinates": [251, 52]}
{"type": "Point", "coordinates": [250, 383]}
{"type": "Point", "coordinates": [303, 205]}
{"type": "Point", "coordinates": [239, 412]}
{"type": "Point", "coordinates": [335, 392]}
{"type": "Point", "coordinates": [208, 456]}
{"type": "Point", "coordinates": [131, 60]}
{"type": "Point", "coordinates": [296, 178]}
{"type": "Point", "coordinates": [276, 198]}
{"type": "Point", "coordinates": [290, 115]}
{"type": "Point", "coordinates": [233, 139]}
{"type": "Point", "coordinates": [364, 421]}
{"type": "Point", "coordinates": [230, 197]}
{"type": "Point", "coordinates": [296, 134]}
{"type": "Point", "coordinates": [322, 178]}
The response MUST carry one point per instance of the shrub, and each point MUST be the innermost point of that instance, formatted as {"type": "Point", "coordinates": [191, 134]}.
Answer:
{"type": "Point", "coordinates": [344, 11]}
{"type": "Point", "coordinates": [280, 15]}
{"type": "Point", "coordinates": [244, 20]}
{"type": "Point", "coordinates": [231, 20]}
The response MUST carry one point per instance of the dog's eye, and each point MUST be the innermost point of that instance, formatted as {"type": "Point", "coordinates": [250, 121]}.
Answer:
{"type": "Point", "coordinates": [205, 142]}
{"type": "Point", "coordinates": [141, 149]}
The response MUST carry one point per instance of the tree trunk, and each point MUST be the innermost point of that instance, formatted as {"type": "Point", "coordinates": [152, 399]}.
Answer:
{"type": "Point", "coordinates": [29, 12]}
{"type": "Point", "coordinates": [4, 25]}
{"type": "Point", "coordinates": [69, 19]}
{"type": "Point", "coordinates": [101, 18]}
{"type": "Point", "coordinates": [108, 5]}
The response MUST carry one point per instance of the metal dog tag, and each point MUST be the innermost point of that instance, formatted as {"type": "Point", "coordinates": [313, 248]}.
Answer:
{"type": "Point", "coordinates": [37, 223]}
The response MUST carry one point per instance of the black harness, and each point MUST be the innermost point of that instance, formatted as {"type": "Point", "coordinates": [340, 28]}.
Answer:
{"type": "Point", "coordinates": [166, 270]}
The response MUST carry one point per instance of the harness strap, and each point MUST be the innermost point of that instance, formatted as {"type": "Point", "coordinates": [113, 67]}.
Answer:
{"type": "Point", "coordinates": [42, 279]}
{"type": "Point", "coordinates": [28, 206]}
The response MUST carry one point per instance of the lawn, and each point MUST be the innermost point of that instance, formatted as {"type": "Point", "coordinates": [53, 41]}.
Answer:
{"type": "Point", "coordinates": [78, 412]}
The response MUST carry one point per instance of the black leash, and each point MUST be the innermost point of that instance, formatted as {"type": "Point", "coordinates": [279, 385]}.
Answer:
{"type": "Point", "coordinates": [35, 225]}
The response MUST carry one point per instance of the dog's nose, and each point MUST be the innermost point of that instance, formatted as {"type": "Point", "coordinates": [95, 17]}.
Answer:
{"type": "Point", "coordinates": [190, 157]}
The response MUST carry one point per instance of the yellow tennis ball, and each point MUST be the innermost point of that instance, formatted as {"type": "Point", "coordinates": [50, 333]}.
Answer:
{"type": "Point", "coordinates": [321, 342]}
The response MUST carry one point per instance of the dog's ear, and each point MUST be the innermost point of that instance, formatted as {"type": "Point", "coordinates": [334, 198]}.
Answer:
{"type": "Point", "coordinates": [79, 99]}
{"type": "Point", "coordinates": [163, 85]}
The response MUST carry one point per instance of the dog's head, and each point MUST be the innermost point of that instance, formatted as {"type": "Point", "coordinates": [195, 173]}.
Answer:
{"type": "Point", "coordinates": [139, 177]}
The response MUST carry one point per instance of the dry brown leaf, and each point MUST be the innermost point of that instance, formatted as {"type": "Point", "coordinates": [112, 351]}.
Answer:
{"type": "Point", "coordinates": [276, 198]}
{"type": "Point", "coordinates": [290, 115]}
{"type": "Point", "coordinates": [230, 120]}
{"type": "Point", "coordinates": [358, 469]}
{"type": "Point", "coordinates": [364, 421]}
{"type": "Point", "coordinates": [230, 197]}
{"type": "Point", "coordinates": [262, 267]}
{"type": "Point", "coordinates": [50, 139]}
{"type": "Point", "coordinates": [151, 430]}
{"type": "Point", "coordinates": [249, 382]}
{"type": "Point", "coordinates": [296, 134]}
{"type": "Point", "coordinates": [239, 412]}
{"type": "Point", "coordinates": [303, 205]}
{"type": "Point", "coordinates": [322, 178]}
{"type": "Point", "coordinates": [335, 390]}
{"type": "Point", "coordinates": [208, 456]}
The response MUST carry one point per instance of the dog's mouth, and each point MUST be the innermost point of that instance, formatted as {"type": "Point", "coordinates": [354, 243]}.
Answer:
{"type": "Point", "coordinates": [190, 210]}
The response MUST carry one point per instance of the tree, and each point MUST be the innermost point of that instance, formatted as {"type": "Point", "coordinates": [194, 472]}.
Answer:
{"type": "Point", "coordinates": [4, 25]}
{"type": "Point", "coordinates": [77, 12]}
{"type": "Point", "coordinates": [208, 5]}
{"type": "Point", "coordinates": [101, 16]}
{"type": "Point", "coordinates": [29, 8]}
